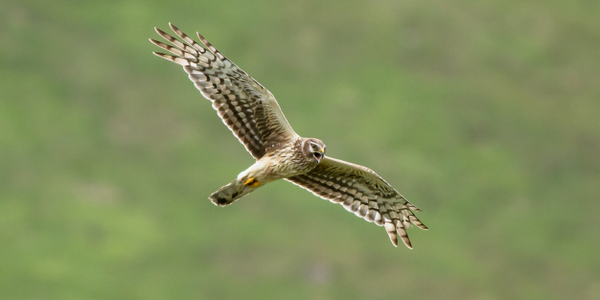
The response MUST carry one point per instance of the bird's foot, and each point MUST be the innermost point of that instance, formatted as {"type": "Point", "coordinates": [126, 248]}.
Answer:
{"type": "Point", "coordinates": [252, 182]}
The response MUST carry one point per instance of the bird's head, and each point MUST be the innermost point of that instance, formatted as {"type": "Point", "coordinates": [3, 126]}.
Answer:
{"type": "Point", "coordinates": [314, 148]}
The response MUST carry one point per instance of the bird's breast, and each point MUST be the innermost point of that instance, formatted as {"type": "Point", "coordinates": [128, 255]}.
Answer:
{"type": "Point", "coordinates": [284, 164]}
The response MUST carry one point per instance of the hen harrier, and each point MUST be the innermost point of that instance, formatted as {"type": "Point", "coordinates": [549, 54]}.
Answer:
{"type": "Point", "coordinates": [251, 112]}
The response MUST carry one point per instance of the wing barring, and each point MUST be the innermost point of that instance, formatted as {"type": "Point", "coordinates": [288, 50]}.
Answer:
{"type": "Point", "coordinates": [248, 109]}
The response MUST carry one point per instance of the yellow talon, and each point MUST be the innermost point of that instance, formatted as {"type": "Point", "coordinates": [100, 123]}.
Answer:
{"type": "Point", "coordinates": [251, 182]}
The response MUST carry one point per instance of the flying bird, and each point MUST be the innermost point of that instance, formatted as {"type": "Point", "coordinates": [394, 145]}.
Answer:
{"type": "Point", "coordinates": [251, 112]}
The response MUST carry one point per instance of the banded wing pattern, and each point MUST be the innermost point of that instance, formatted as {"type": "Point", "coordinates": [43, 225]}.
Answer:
{"type": "Point", "coordinates": [363, 192]}
{"type": "Point", "coordinates": [248, 109]}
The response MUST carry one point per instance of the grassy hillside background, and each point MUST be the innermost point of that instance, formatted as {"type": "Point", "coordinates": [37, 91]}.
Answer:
{"type": "Point", "coordinates": [484, 114]}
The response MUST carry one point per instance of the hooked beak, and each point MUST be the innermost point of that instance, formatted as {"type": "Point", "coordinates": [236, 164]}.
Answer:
{"type": "Point", "coordinates": [319, 154]}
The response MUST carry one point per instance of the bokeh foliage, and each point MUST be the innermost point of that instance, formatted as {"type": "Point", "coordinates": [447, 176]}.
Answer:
{"type": "Point", "coordinates": [484, 114]}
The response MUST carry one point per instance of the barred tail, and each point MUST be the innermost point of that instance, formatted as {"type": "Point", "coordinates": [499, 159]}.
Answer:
{"type": "Point", "coordinates": [231, 192]}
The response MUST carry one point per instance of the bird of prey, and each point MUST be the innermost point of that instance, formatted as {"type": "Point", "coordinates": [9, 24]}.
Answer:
{"type": "Point", "coordinates": [251, 112]}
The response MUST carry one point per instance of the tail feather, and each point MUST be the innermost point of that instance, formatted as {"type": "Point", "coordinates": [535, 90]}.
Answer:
{"type": "Point", "coordinates": [230, 193]}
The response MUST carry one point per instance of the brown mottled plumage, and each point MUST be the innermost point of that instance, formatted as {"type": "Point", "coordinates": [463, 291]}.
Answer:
{"type": "Point", "coordinates": [251, 112]}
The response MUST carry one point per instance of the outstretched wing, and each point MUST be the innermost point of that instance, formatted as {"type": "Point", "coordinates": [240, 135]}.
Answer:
{"type": "Point", "coordinates": [245, 106]}
{"type": "Point", "coordinates": [363, 192]}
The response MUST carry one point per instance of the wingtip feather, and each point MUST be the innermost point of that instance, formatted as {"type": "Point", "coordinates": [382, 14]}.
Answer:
{"type": "Point", "coordinates": [155, 42]}
{"type": "Point", "coordinates": [175, 29]}
{"type": "Point", "coordinates": [159, 31]}
{"type": "Point", "coordinates": [391, 231]}
{"type": "Point", "coordinates": [406, 242]}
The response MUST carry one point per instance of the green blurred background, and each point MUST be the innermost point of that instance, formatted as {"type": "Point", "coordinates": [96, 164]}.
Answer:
{"type": "Point", "coordinates": [484, 114]}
